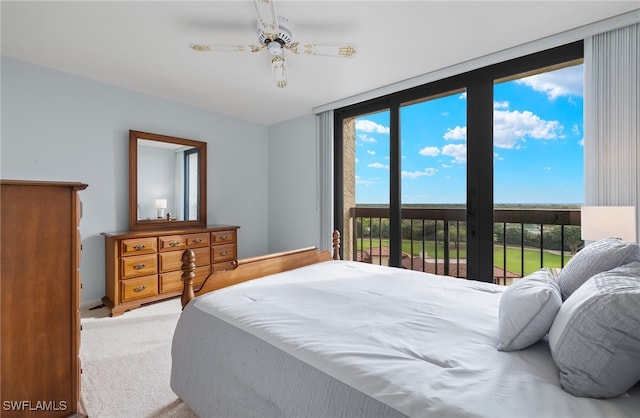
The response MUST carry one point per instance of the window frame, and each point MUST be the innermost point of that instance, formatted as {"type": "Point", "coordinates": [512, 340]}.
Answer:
{"type": "Point", "coordinates": [479, 84]}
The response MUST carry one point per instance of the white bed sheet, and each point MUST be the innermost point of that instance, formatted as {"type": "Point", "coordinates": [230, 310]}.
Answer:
{"type": "Point", "coordinates": [423, 345]}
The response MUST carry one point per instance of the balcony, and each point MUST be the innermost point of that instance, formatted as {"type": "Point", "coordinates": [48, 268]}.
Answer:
{"type": "Point", "coordinates": [434, 238]}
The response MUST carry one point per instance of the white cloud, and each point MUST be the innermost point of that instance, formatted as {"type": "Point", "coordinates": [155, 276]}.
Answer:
{"type": "Point", "coordinates": [575, 129]}
{"type": "Point", "coordinates": [371, 152]}
{"type": "Point", "coordinates": [377, 165]}
{"type": "Point", "coordinates": [429, 151]}
{"type": "Point", "coordinates": [363, 182]}
{"type": "Point", "coordinates": [456, 134]}
{"type": "Point", "coordinates": [565, 82]}
{"type": "Point", "coordinates": [430, 171]}
{"type": "Point", "coordinates": [511, 127]}
{"type": "Point", "coordinates": [365, 125]}
{"type": "Point", "coordinates": [463, 96]}
{"type": "Point", "coordinates": [366, 138]}
{"type": "Point", "coordinates": [457, 151]}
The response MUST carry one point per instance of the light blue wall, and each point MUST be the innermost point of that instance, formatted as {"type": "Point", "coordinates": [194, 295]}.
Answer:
{"type": "Point", "coordinates": [60, 127]}
{"type": "Point", "coordinates": [294, 214]}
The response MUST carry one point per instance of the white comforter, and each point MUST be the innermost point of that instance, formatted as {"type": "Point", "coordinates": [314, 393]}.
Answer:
{"type": "Point", "coordinates": [424, 345]}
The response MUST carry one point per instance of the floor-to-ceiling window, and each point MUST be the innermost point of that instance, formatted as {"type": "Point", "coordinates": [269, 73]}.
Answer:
{"type": "Point", "coordinates": [538, 163]}
{"type": "Point", "coordinates": [366, 180]}
{"type": "Point", "coordinates": [436, 146]}
{"type": "Point", "coordinates": [433, 140]}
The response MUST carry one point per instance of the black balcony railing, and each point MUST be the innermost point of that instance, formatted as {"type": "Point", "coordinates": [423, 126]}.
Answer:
{"type": "Point", "coordinates": [434, 238]}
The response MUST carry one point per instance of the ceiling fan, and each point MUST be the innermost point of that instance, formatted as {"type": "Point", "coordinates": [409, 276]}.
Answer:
{"type": "Point", "coordinates": [274, 35]}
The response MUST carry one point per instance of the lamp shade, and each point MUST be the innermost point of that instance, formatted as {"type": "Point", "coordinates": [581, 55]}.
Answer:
{"type": "Point", "coordinates": [608, 221]}
{"type": "Point", "coordinates": [161, 203]}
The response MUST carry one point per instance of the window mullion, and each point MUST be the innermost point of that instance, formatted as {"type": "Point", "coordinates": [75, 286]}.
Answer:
{"type": "Point", "coordinates": [480, 178]}
{"type": "Point", "coordinates": [395, 211]}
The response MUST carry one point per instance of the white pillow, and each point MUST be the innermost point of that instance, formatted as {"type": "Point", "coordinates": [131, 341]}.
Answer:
{"type": "Point", "coordinates": [527, 310]}
{"type": "Point", "coordinates": [599, 256]}
{"type": "Point", "coordinates": [595, 338]}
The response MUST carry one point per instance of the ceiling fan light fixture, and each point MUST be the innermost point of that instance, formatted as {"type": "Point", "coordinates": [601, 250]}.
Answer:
{"type": "Point", "coordinates": [279, 68]}
{"type": "Point", "coordinates": [275, 48]}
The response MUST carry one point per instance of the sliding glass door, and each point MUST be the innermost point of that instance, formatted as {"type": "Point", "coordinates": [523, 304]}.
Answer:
{"type": "Point", "coordinates": [538, 166]}
{"type": "Point", "coordinates": [414, 170]}
{"type": "Point", "coordinates": [433, 140]}
{"type": "Point", "coordinates": [366, 183]}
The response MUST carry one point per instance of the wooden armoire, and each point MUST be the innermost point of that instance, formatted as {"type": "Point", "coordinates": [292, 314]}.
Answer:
{"type": "Point", "coordinates": [40, 299]}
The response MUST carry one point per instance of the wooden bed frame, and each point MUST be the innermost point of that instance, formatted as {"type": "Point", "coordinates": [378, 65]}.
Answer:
{"type": "Point", "coordinates": [252, 268]}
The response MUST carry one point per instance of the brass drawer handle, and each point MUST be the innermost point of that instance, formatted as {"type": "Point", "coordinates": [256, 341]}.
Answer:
{"type": "Point", "coordinates": [223, 253]}
{"type": "Point", "coordinates": [197, 240]}
{"type": "Point", "coordinates": [139, 288]}
{"type": "Point", "coordinates": [139, 266]}
{"type": "Point", "coordinates": [174, 243]}
{"type": "Point", "coordinates": [223, 238]}
{"type": "Point", "coordinates": [139, 247]}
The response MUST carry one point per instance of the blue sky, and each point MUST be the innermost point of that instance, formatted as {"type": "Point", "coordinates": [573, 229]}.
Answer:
{"type": "Point", "coordinates": [538, 145]}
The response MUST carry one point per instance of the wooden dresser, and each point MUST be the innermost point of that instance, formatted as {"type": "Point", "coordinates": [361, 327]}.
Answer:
{"type": "Point", "coordinates": [40, 299]}
{"type": "Point", "coordinates": [145, 266]}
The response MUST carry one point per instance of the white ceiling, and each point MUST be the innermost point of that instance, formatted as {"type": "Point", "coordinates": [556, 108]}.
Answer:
{"type": "Point", "coordinates": [144, 45]}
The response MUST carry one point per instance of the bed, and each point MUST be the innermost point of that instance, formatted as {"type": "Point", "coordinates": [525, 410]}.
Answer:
{"type": "Point", "coordinates": [302, 334]}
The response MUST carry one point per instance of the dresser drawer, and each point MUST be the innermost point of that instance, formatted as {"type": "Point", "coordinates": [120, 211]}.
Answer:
{"type": "Point", "coordinates": [172, 281]}
{"type": "Point", "coordinates": [172, 260]}
{"type": "Point", "coordinates": [223, 237]}
{"type": "Point", "coordinates": [172, 242]}
{"type": "Point", "coordinates": [138, 288]}
{"type": "Point", "coordinates": [139, 265]}
{"type": "Point", "coordinates": [138, 246]}
{"type": "Point", "coordinates": [198, 240]}
{"type": "Point", "coordinates": [144, 266]}
{"type": "Point", "coordinates": [220, 253]}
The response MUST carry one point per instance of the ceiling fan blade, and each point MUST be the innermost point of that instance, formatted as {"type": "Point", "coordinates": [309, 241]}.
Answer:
{"type": "Point", "coordinates": [267, 18]}
{"type": "Point", "coordinates": [226, 48]}
{"type": "Point", "coordinates": [323, 49]}
{"type": "Point", "coordinates": [279, 67]}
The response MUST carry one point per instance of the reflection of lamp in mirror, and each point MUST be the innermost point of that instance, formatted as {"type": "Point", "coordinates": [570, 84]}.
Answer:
{"type": "Point", "coordinates": [161, 205]}
{"type": "Point", "coordinates": [608, 221]}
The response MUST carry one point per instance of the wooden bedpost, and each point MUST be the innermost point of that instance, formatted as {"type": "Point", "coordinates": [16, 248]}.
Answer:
{"type": "Point", "coordinates": [336, 245]}
{"type": "Point", "coordinates": [188, 267]}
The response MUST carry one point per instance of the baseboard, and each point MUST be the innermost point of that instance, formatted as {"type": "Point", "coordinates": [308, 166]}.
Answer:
{"type": "Point", "coordinates": [88, 304]}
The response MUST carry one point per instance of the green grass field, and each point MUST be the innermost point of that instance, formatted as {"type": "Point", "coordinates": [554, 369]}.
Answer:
{"type": "Point", "coordinates": [531, 255]}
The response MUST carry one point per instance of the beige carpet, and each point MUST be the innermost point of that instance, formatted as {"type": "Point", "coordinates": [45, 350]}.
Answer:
{"type": "Point", "coordinates": [126, 362]}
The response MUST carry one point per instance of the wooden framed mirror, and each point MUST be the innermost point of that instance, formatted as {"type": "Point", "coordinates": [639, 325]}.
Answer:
{"type": "Point", "coordinates": [167, 182]}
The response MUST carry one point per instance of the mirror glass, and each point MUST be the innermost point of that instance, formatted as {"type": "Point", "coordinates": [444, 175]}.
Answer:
{"type": "Point", "coordinates": [167, 184]}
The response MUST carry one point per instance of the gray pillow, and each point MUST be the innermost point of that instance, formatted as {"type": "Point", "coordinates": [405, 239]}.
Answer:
{"type": "Point", "coordinates": [595, 338]}
{"type": "Point", "coordinates": [599, 256]}
{"type": "Point", "coordinates": [527, 310]}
